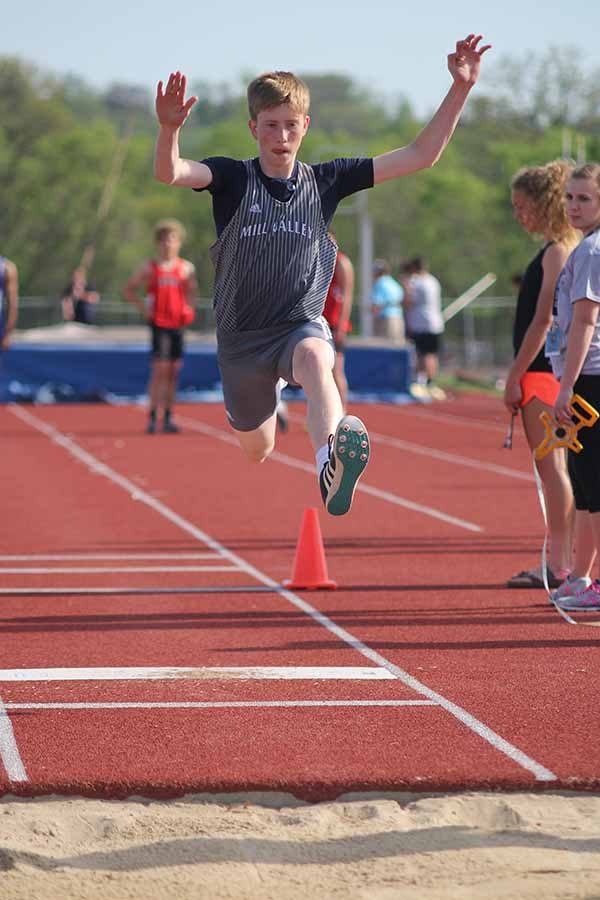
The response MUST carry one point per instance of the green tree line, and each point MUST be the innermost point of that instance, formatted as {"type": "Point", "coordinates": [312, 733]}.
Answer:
{"type": "Point", "coordinates": [58, 138]}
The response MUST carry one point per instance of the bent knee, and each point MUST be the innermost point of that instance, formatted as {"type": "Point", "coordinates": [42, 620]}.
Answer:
{"type": "Point", "coordinates": [312, 355]}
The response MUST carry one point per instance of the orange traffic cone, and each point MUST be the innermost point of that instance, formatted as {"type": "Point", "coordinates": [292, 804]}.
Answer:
{"type": "Point", "coordinates": [310, 567]}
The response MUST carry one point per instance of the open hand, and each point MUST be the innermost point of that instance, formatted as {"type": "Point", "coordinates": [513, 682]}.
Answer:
{"type": "Point", "coordinates": [465, 62]}
{"type": "Point", "coordinates": [172, 108]}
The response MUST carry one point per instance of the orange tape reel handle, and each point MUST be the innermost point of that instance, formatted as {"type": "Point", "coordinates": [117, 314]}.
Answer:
{"type": "Point", "coordinates": [557, 435]}
{"type": "Point", "coordinates": [584, 421]}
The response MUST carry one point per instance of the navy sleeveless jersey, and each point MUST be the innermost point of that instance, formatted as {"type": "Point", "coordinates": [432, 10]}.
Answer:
{"type": "Point", "coordinates": [273, 257]}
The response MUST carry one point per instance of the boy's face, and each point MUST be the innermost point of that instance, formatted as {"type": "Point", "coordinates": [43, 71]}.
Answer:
{"type": "Point", "coordinates": [169, 245]}
{"type": "Point", "coordinates": [279, 132]}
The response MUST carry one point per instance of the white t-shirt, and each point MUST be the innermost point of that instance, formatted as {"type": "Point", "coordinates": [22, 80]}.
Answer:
{"type": "Point", "coordinates": [424, 312]}
{"type": "Point", "coordinates": [579, 279]}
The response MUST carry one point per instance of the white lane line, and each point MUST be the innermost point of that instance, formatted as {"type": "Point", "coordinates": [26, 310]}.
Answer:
{"type": "Point", "coordinates": [9, 752]}
{"type": "Point", "coordinates": [140, 591]}
{"type": "Point", "coordinates": [200, 673]}
{"type": "Point", "coordinates": [294, 463]}
{"type": "Point", "coordinates": [109, 557]}
{"type": "Point", "coordinates": [450, 419]}
{"type": "Point", "coordinates": [97, 570]}
{"type": "Point", "coordinates": [453, 458]}
{"type": "Point", "coordinates": [501, 745]}
{"type": "Point", "coordinates": [218, 704]}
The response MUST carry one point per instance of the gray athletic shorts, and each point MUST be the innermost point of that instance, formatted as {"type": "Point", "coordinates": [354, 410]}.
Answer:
{"type": "Point", "coordinates": [252, 362]}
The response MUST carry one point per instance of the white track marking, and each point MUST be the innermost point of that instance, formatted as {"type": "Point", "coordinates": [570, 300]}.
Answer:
{"type": "Point", "coordinates": [460, 421]}
{"type": "Point", "coordinates": [200, 673]}
{"type": "Point", "coordinates": [96, 570]}
{"type": "Point", "coordinates": [294, 463]}
{"type": "Point", "coordinates": [503, 746]}
{"type": "Point", "coordinates": [112, 591]}
{"type": "Point", "coordinates": [219, 704]}
{"type": "Point", "coordinates": [453, 458]}
{"type": "Point", "coordinates": [9, 752]}
{"type": "Point", "coordinates": [120, 557]}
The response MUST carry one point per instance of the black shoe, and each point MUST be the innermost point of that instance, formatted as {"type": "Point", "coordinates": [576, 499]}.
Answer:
{"type": "Point", "coordinates": [170, 427]}
{"type": "Point", "coordinates": [151, 426]}
{"type": "Point", "coordinates": [348, 456]}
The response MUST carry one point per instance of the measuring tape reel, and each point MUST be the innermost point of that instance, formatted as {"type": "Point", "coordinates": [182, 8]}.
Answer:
{"type": "Point", "coordinates": [558, 435]}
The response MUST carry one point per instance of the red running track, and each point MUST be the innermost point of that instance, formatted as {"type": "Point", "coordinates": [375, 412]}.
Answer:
{"type": "Point", "coordinates": [148, 647]}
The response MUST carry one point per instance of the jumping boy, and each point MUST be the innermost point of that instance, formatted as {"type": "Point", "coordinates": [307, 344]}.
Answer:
{"type": "Point", "coordinates": [274, 258]}
{"type": "Point", "coordinates": [169, 288]}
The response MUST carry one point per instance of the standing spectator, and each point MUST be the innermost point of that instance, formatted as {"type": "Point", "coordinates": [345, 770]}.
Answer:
{"type": "Point", "coordinates": [80, 299]}
{"type": "Point", "coordinates": [337, 309]}
{"type": "Point", "coordinates": [9, 300]}
{"type": "Point", "coordinates": [424, 324]}
{"type": "Point", "coordinates": [169, 286]}
{"type": "Point", "coordinates": [538, 203]}
{"type": "Point", "coordinates": [573, 345]}
{"type": "Point", "coordinates": [386, 299]}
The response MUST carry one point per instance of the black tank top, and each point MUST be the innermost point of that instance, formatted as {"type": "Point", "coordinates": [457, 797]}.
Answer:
{"type": "Point", "coordinates": [526, 306]}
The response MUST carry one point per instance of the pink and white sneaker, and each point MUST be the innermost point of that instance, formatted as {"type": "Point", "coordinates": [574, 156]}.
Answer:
{"type": "Point", "coordinates": [570, 587]}
{"type": "Point", "coordinates": [589, 598]}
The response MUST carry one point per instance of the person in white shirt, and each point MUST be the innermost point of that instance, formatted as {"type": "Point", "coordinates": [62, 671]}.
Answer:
{"type": "Point", "coordinates": [573, 346]}
{"type": "Point", "coordinates": [424, 322]}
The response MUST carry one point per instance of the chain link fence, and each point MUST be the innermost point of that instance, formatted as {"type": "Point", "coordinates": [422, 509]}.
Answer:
{"type": "Point", "coordinates": [480, 336]}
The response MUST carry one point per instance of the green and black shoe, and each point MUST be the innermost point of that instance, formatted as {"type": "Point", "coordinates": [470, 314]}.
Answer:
{"type": "Point", "coordinates": [348, 456]}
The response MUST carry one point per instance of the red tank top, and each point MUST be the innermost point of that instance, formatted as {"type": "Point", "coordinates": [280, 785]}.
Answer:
{"type": "Point", "coordinates": [335, 299]}
{"type": "Point", "coordinates": [166, 287]}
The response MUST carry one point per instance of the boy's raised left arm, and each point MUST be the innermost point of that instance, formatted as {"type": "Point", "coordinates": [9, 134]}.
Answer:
{"type": "Point", "coordinates": [428, 146]}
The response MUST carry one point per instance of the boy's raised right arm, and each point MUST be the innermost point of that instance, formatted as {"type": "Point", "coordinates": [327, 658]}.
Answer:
{"type": "Point", "coordinates": [172, 110]}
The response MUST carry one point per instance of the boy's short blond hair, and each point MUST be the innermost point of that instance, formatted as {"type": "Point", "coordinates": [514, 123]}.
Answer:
{"type": "Point", "coordinates": [167, 226]}
{"type": "Point", "coordinates": [275, 88]}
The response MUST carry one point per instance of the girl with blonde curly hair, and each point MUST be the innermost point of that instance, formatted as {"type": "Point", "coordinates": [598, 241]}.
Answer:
{"type": "Point", "coordinates": [539, 207]}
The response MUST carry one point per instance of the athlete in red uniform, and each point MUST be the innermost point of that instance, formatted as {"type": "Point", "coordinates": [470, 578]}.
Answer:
{"type": "Point", "coordinates": [169, 285]}
{"type": "Point", "coordinates": [338, 306]}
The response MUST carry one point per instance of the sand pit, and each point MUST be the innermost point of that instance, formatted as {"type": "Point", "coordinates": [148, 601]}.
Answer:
{"type": "Point", "coordinates": [388, 847]}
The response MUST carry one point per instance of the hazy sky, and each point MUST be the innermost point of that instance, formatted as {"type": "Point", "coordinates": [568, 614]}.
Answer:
{"type": "Point", "coordinates": [393, 48]}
